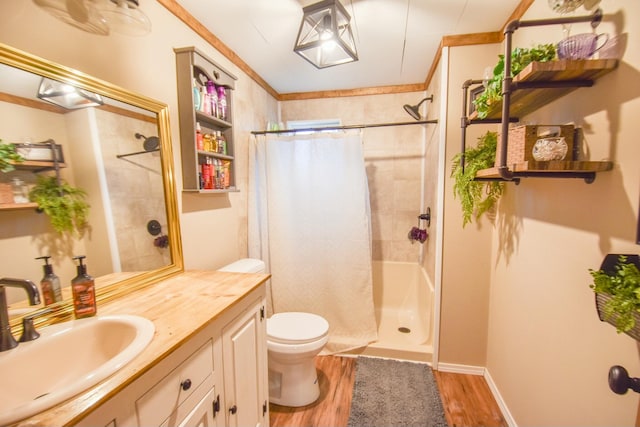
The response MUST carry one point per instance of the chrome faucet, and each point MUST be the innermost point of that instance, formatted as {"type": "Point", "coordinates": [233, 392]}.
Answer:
{"type": "Point", "coordinates": [7, 341]}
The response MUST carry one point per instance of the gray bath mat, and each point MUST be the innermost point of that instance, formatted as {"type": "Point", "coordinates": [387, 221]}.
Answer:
{"type": "Point", "coordinates": [395, 393]}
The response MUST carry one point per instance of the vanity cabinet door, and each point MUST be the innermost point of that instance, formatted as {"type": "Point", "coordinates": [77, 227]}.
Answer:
{"type": "Point", "coordinates": [174, 398]}
{"type": "Point", "coordinates": [244, 349]}
{"type": "Point", "coordinates": [202, 415]}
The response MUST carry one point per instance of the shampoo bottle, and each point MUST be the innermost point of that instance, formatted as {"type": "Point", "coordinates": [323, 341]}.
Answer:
{"type": "Point", "coordinates": [84, 292]}
{"type": "Point", "coordinates": [50, 283]}
{"type": "Point", "coordinates": [196, 95]}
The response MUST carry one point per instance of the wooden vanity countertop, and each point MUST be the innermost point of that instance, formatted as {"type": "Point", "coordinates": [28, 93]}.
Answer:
{"type": "Point", "coordinates": [179, 307]}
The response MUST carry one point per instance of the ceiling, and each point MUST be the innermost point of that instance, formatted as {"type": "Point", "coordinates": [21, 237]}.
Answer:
{"type": "Point", "coordinates": [397, 40]}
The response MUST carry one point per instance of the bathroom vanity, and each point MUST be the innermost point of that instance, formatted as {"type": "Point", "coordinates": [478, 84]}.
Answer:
{"type": "Point", "coordinates": [206, 364]}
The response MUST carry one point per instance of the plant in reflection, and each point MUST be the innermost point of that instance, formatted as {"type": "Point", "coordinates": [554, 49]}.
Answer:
{"type": "Point", "coordinates": [65, 205]}
{"type": "Point", "coordinates": [8, 157]}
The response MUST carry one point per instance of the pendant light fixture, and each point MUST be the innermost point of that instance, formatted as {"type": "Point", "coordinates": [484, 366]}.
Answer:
{"type": "Point", "coordinates": [100, 16]}
{"type": "Point", "coordinates": [66, 95]}
{"type": "Point", "coordinates": [125, 17]}
{"type": "Point", "coordinates": [81, 14]}
{"type": "Point", "coordinates": [325, 37]}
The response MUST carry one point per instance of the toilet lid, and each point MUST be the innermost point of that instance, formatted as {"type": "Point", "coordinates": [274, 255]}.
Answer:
{"type": "Point", "coordinates": [295, 327]}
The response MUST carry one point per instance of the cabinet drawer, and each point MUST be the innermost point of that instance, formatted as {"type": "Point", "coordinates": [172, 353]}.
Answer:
{"type": "Point", "coordinates": [165, 397]}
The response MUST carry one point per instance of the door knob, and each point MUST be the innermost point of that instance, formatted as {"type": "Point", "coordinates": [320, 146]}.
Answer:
{"type": "Point", "coordinates": [620, 382]}
{"type": "Point", "coordinates": [233, 409]}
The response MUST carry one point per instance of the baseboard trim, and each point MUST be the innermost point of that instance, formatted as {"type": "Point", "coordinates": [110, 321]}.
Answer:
{"type": "Point", "coordinates": [499, 400]}
{"type": "Point", "coordinates": [461, 369]}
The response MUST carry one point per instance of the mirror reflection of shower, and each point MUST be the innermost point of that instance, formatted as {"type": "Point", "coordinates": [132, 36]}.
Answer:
{"type": "Point", "coordinates": [149, 144]}
{"type": "Point", "coordinates": [414, 110]}
{"type": "Point", "coordinates": [132, 165]}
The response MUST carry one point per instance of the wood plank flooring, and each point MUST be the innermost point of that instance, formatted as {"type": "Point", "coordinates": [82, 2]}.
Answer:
{"type": "Point", "coordinates": [466, 398]}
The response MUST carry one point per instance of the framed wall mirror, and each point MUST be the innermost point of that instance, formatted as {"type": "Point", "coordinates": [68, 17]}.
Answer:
{"type": "Point", "coordinates": [120, 153]}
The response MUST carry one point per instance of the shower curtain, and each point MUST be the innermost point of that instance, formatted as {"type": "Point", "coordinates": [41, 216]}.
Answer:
{"type": "Point", "coordinates": [309, 220]}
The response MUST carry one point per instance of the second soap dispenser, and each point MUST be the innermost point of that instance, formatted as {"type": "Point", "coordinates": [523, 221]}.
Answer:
{"type": "Point", "coordinates": [84, 292]}
{"type": "Point", "coordinates": [50, 283]}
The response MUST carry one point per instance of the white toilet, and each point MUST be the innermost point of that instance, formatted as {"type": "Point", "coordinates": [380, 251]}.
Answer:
{"type": "Point", "coordinates": [293, 341]}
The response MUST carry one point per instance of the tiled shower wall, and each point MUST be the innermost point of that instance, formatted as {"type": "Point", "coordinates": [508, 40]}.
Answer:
{"type": "Point", "coordinates": [393, 159]}
{"type": "Point", "coordinates": [135, 190]}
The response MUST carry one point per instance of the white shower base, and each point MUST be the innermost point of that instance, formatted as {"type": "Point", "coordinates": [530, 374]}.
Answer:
{"type": "Point", "coordinates": [403, 301]}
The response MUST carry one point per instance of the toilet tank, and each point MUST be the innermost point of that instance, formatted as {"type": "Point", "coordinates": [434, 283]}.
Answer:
{"type": "Point", "coordinates": [245, 265]}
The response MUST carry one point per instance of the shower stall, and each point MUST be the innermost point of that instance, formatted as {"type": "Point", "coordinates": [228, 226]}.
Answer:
{"type": "Point", "coordinates": [403, 301]}
{"type": "Point", "coordinates": [402, 166]}
{"type": "Point", "coordinates": [403, 251]}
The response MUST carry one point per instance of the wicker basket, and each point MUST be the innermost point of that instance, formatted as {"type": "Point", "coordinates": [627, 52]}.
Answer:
{"type": "Point", "coordinates": [523, 138]}
{"type": "Point", "coordinates": [601, 300]}
{"type": "Point", "coordinates": [608, 266]}
{"type": "Point", "coordinates": [6, 194]}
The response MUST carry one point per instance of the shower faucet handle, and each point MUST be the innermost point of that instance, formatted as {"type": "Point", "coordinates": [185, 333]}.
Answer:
{"type": "Point", "coordinates": [426, 216]}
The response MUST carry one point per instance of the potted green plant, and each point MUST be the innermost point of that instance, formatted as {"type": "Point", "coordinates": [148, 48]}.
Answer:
{"type": "Point", "coordinates": [476, 197]}
{"type": "Point", "coordinates": [520, 58]}
{"type": "Point", "coordinates": [620, 287]}
{"type": "Point", "coordinates": [65, 205]}
{"type": "Point", "coordinates": [8, 157]}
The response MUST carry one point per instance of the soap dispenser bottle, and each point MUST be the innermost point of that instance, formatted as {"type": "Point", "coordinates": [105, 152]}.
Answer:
{"type": "Point", "coordinates": [84, 292]}
{"type": "Point", "coordinates": [50, 283]}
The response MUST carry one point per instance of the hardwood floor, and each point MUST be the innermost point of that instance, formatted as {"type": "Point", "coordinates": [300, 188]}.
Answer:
{"type": "Point", "coordinates": [467, 399]}
{"type": "Point", "coordinates": [336, 376]}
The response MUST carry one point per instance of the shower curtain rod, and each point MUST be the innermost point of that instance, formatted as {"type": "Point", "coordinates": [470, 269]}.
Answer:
{"type": "Point", "coordinates": [136, 153]}
{"type": "Point", "coordinates": [320, 129]}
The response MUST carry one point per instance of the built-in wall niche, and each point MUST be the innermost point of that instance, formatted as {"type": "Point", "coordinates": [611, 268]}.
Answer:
{"type": "Point", "coordinates": [206, 123]}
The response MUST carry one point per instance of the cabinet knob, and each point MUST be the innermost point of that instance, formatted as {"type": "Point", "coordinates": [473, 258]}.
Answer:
{"type": "Point", "coordinates": [233, 409]}
{"type": "Point", "coordinates": [186, 384]}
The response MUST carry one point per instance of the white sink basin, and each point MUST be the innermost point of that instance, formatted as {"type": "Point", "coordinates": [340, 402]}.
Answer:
{"type": "Point", "coordinates": [67, 359]}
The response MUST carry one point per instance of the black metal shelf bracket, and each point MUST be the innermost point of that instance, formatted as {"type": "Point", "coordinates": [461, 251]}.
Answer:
{"type": "Point", "coordinates": [508, 86]}
{"type": "Point", "coordinates": [507, 80]}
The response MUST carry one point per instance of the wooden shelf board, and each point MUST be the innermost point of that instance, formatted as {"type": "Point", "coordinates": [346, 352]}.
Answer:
{"type": "Point", "coordinates": [525, 101]}
{"type": "Point", "coordinates": [207, 118]}
{"type": "Point", "coordinates": [540, 168]}
{"type": "Point", "coordinates": [17, 206]}
{"type": "Point", "coordinates": [214, 191]}
{"type": "Point", "coordinates": [215, 155]}
{"type": "Point", "coordinates": [36, 164]}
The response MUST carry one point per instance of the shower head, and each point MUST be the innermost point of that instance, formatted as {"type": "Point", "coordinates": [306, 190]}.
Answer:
{"type": "Point", "coordinates": [414, 110]}
{"type": "Point", "coordinates": [150, 144]}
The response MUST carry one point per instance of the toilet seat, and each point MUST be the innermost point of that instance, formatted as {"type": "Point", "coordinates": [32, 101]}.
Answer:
{"type": "Point", "coordinates": [296, 328]}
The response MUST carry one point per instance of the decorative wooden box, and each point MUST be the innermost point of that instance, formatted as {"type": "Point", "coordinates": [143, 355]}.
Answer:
{"type": "Point", "coordinates": [523, 138]}
{"type": "Point", "coordinates": [40, 151]}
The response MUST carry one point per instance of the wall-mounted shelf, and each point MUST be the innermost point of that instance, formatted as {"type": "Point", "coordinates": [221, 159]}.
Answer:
{"type": "Point", "coordinates": [192, 66]}
{"type": "Point", "coordinates": [38, 166]}
{"type": "Point", "coordinates": [17, 206]}
{"type": "Point", "coordinates": [539, 84]}
{"type": "Point", "coordinates": [552, 169]}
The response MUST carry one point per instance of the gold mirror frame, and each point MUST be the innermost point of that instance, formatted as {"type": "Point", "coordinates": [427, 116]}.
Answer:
{"type": "Point", "coordinates": [117, 284]}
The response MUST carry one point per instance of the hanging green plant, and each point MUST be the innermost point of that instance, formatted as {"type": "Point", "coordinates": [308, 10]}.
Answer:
{"type": "Point", "coordinates": [8, 157]}
{"type": "Point", "coordinates": [520, 58]}
{"type": "Point", "coordinates": [64, 204]}
{"type": "Point", "coordinates": [476, 197]}
{"type": "Point", "coordinates": [623, 288]}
